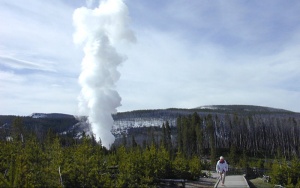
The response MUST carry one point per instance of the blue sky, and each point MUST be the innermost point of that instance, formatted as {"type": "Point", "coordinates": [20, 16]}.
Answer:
{"type": "Point", "coordinates": [186, 55]}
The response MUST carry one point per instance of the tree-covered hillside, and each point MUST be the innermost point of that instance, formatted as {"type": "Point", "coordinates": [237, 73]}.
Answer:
{"type": "Point", "coordinates": [259, 130]}
{"type": "Point", "coordinates": [66, 161]}
{"type": "Point", "coordinates": [43, 150]}
{"type": "Point", "coordinates": [58, 123]}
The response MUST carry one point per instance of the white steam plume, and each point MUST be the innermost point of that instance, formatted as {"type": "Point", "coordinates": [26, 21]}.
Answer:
{"type": "Point", "coordinates": [100, 30]}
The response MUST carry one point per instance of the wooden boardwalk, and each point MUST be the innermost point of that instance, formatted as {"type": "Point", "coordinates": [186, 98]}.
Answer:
{"type": "Point", "coordinates": [234, 181]}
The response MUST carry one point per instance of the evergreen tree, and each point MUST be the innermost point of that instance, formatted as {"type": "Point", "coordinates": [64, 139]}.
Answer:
{"type": "Point", "coordinates": [211, 133]}
{"type": "Point", "coordinates": [164, 136]}
{"type": "Point", "coordinates": [133, 142]}
{"type": "Point", "coordinates": [195, 167]}
{"type": "Point", "coordinates": [179, 134]}
{"type": "Point", "coordinates": [180, 166]}
{"type": "Point", "coordinates": [294, 174]}
{"type": "Point", "coordinates": [17, 129]}
{"type": "Point", "coordinates": [54, 161]}
{"type": "Point", "coordinates": [151, 164]}
{"type": "Point", "coordinates": [232, 155]}
{"type": "Point", "coordinates": [199, 137]}
{"type": "Point", "coordinates": [124, 140]}
{"type": "Point", "coordinates": [10, 164]}
{"type": "Point", "coordinates": [167, 142]}
{"type": "Point", "coordinates": [244, 163]}
{"type": "Point", "coordinates": [279, 173]}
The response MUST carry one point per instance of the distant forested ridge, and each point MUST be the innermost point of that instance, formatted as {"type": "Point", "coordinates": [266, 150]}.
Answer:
{"type": "Point", "coordinates": [252, 128]}
{"type": "Point", "coordinates": [258, 134]}
{"type": "Point", "coordinates": [258, 130]}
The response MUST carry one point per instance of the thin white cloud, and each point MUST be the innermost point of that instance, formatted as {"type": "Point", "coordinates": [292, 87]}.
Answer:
{"type": "Point", "coordinates": [39, 30]}
{"type": "Point", "coordinates": [36, 53]}
{"type": "Point", "coordinates": [15, 63]}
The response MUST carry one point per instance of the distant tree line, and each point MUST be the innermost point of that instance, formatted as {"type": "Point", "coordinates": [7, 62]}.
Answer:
{"type": "Point", "coordinates": [32, 159]}
{"type": "Point", "coordinates": [259, 135]}
{"type": "Point", "coordinates": [38, 126]}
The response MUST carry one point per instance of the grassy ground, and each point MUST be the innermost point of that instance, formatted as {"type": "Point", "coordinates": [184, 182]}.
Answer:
{"type": "Point", "coordinates": [259, 183]}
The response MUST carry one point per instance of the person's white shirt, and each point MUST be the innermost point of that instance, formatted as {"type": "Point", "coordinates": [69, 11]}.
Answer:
{"type": "Point", "coordinates": [221, 166]}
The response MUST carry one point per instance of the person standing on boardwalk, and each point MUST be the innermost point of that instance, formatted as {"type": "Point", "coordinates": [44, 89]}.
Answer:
{"type": "Point", "coordinates": [222, 168]}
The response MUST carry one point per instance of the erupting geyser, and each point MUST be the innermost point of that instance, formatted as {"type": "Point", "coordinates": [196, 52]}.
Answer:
{"type": "Point", "coordinates": [100, 30]}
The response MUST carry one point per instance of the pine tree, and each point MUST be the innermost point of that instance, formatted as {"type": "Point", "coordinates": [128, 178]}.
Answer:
{"type": "Point", "coordinates": [150, 158]}
{"type": "Point", "coordinates": [244, 163]}
{"type": "Point", "coordinates": [17, 129]}
{"type": "Point", "coordinates": [164, 136]}
{"type": "Point", "coordinates": [279, 173]}
{"type": "Point", "coordinates": [168, 139]}
{"type": "Point", "coordinates": [232, 155]}
{"type": "Point", "coordinates": [133, 142]}
{"type": "Point", "coordinates": [124, 140]}
{"type": "Point", "coordinates": [54, 159]}
{"type": "Point", "coordinates": [195, 167]}
{"type": "Point", "coordinates": [10, 155]}
{"type": "Point", "coordinates": [294, 174]}
{"type": "Point", "coordinates": [180, 166]}
{"type": "Point", "coordinates": [179, 134]}
{"type": "Point", "coordinates": [80, 166]}
{"type": "Point", "coordinates": [199, 137]}
{"type": "Point", "coordinates": [211, 133]}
